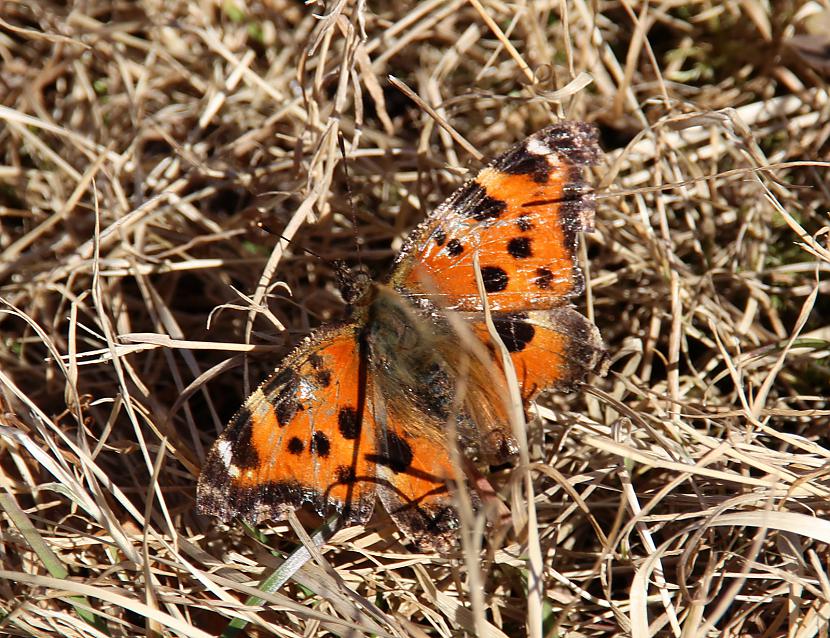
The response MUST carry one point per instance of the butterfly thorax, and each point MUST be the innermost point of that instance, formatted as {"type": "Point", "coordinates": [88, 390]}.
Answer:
{"type": "Point", "coordinates": [427, 374]}
{"type": "Point", "coordinates": [399, 337]}
{"type": "Point", "coordinates": [402, 342]}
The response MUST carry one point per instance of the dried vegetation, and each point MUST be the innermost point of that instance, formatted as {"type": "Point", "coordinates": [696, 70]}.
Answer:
{"type": "Point", "coordinates": [140, 142]}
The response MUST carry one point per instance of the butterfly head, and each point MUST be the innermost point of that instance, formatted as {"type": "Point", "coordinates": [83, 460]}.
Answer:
{"type": "Point", "coordinates": [355, 284]}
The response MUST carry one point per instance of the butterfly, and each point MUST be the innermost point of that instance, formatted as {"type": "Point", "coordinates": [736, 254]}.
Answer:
{"type": "Point", "coordinates": [360, 411]}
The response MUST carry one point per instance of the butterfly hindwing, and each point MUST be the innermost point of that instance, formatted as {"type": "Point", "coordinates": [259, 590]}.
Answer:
{"type": "Point", "coordinates": [415, 472]}
{"type": "Point", "coordinates": [521, 214]}
{"type": "Point", "coordinates": [550, 349]}
{"type": "Point", "coordinates": [419, 417]}
{"type": "Point", "coordinates": [304, 436]}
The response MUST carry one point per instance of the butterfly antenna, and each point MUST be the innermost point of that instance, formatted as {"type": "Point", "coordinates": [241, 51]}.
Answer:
{"type": "Point", "coordinates": [265, 227]}
{"type": "Point", "coordinates": [349, 197]}
{"type": "Point", "coordinates": [353, 283]}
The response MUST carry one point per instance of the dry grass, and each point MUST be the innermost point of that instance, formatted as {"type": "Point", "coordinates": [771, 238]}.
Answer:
{"type": "Point", "coordinates": [687, 493]}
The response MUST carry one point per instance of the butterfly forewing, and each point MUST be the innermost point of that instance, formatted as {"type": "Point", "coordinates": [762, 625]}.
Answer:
{"type": "Point", "coordinates": [521, 215]}
{"type": "Point", "coordinates": [304, 436]}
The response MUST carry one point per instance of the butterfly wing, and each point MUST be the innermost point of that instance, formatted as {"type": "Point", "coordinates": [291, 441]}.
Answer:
{"type": "Point", "coordinates": [553, 349]}
{"type": "Point", "coordinates": [415, 473]}
{"type": "Point", "coordinates": [306, 435]}
{"type": "Point", "coordinates": [521, 214]}
{"type": "Point", "coordinates": [549, 349]}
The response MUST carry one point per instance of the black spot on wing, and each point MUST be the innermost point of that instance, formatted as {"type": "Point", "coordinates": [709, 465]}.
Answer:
{"type": "Point", "coordinates": [524, 223]}
{"type": "Point", "coordinates": [519, 247]}
{"type": "Point", "coordinates": [321, 373]}
{"type": "Point", "coordinates": [344, 474]}
{"type": "Point", "coordinates": [488, 208]}
{"type": "Point", "coordinates": [323, 377]}
{"type": "Point", "coordinates": [455, 248]}
{"type": "Point", "coordinates": [439, 236]}
{"type": "Point", "coordinates": [285, 378]}
{"type": "Point", "coordinates": [398, 456]}
{"type": "Point", "coordinates": [519, 161]}
{"type": "Point", "coordinates": [348, 423]}
{"type": "Point", "coordinates": [295, 446]}
{"type": "Point", "coordinates": [515, 331]}
{"type": "Point", "coordinates": [544, 277]}
{"type": "Point", "coordinates": [320, 444]}
{"type": "Point", "coordinates": [495, 278]}
{"type": "Point", "coordinates": [473, 201]}
{"type": "Point", "coordinates": [287, 406]}
{"type": "Point", "coordinates": [243, 452]}
{"type": "Point", "coordinates": [280, 391]}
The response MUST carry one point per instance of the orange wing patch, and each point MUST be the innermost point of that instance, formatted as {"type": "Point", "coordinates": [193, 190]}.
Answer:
{"type": "Point", "coordinates": [521, 215]}
{"type": "Point", "coordinates": [304, 436]}
{"type": "Point", "coordinates": [550, 349]}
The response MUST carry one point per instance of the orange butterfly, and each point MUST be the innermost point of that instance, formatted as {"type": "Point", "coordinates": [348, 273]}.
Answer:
{"type": "Point", "coordinates": [361, 410]}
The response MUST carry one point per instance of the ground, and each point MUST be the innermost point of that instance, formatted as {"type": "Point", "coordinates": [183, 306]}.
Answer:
{"type": "Point", "coordinates": [177, 183]}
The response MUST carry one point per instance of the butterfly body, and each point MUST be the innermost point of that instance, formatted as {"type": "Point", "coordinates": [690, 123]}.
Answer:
{"type": "Point", "coordinates": [371, 409]}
